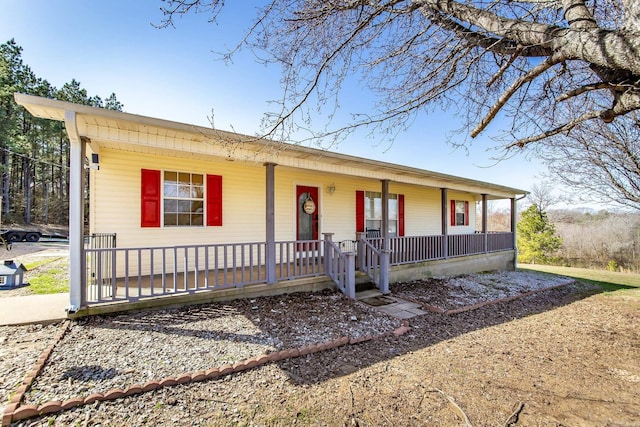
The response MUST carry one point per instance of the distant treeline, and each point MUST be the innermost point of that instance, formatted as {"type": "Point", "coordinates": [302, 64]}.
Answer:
{"type": "Point", "coordinates": [600, 240]}
{"type": "Point", "coordinates": [34, 153]}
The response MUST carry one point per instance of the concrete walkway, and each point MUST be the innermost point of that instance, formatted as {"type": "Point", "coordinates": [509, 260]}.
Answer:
{"type": "Point", "coordinates": [26, 310]}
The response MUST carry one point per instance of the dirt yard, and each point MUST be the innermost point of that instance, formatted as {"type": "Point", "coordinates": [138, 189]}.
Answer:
{"type": "Point", "coordinates": [563, 357]}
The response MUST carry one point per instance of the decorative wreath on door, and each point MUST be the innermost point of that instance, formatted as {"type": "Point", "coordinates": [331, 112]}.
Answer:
{"type": "Point", "coordinates": [309, 206]}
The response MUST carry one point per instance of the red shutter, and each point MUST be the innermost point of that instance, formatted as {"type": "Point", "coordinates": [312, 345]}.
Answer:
{"type": "Point", "coordinates": [453, 212]}
{"type": "Point", "coordinates": [401, 215]}
{"type": "Point", "coordinates": [214, 200]}
{"type": "Point", "coordinates": [150, 197]}
{"type": "Point", "coordinates": [466, 213]}
{"type": "Point", "coordinates": [359, 211]}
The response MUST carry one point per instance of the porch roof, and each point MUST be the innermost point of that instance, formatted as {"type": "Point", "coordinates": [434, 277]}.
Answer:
{"type": "Point", "coordinates": [131, 132]}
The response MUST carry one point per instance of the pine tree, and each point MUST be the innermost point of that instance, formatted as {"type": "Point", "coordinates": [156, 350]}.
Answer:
{"type": "Point", "coordinates": [34, 152]}
{"type": "Point", "coordinates": [537, 239]}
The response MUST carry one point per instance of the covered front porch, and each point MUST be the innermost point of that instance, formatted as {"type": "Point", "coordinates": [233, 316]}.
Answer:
{"type": "Point", "coordinates": [154, 273]}
{"type": "Point", "coordinates": [163, 273]}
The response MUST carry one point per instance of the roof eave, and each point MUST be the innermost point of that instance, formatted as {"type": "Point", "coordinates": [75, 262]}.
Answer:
{"type": "Point", "coordinates": [55, 110]}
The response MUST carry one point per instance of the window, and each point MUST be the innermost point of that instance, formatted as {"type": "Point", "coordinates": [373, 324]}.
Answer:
{"type": "Point", "coordinates": [184, 198]}
{"type": "Point", "coordinates": [369, 213]}
{"type": "Point", "coordinates": [459, 212]}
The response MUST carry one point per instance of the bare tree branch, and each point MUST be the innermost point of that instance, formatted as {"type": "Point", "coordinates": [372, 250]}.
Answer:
{"type": "Point", "coordinates": [505, 66]}
{"type": "Point", "coordinates": [504, 98]}
{"type": "Point", "coordinates": [590, 87]}
{"type": "Point", "coordinates": [560, 129]}
{"type": "Point", "coordinates": [553, 68]}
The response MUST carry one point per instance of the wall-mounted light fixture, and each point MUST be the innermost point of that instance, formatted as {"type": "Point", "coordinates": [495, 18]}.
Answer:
{"type": "Point", "coordinates": [95, 161]}
{"type": "Point", "coordinates": [331, 188]}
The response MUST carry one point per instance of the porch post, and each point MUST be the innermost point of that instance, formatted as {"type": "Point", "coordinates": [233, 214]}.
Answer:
{"type": "Point", "coordinates": [328, 259]}
{"type": "Point", "coordinates": [270, 224]}
{"type": "Point", "coordinates": [443, 215]}
{"type": "Point", "coordinates": [385, 214]}
{"type": "Point", "coordinates": [360, 236]}
{"type": "Point", "coordinates": [513, 222]}
{"type": "Point", "coordinates": [484, 223]}
{"type": "Point", "coordinates": [385, 254]}
{"type": "Point", "coordinates": [350, 279]}
{"type": "Point", "coordinates": [77, 276]}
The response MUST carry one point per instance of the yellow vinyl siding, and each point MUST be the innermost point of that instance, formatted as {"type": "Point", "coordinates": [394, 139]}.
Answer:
{"type": "Point", "coordinates": [462, 229]}
{"type": "Point", "coordinates": [421, 209]}
{"type": "Point", "coordinates": [117, 209]}
{"type": "Point", "coordinates": [337, 210]}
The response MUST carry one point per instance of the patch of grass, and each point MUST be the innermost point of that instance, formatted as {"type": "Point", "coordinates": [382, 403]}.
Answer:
{"type": "Point", "coordinates": [48, 275]}
{"type": "Point", "coordinates": [39, 263]}
{"type": "Point", "coordinates": [49, 282]}
{"type": "Point", "coordinates": [608, 280]}
{"type": "Point", "coordinates": [303, 414]}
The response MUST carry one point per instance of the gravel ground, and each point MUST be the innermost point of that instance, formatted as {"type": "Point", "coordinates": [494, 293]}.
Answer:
{"type": "Point", "coordinates": [469, 289]}
{"type": "Point", "coordinates": [20, 348]}
{"type": "Point", "coordinates": [569, 357]}
{"type": "Point", "coordinates": [105, 352]}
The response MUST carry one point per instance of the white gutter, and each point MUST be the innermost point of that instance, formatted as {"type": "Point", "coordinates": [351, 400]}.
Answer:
{"type": "Point", "coordinates": [76, 213]}
{"type": "Point", "coordinates": [514, 216]}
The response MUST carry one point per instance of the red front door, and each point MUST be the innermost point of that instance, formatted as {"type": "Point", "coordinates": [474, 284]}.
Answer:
{"type": "Point", "coordinates": [307, 209]}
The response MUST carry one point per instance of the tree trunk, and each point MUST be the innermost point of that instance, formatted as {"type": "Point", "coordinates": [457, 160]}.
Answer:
{"type": "Point", "coordinates": [6, 181]}
{"type": "Point", "coordinates": [27, 190]}
{"type": "Point", "coordinates": [46, 203]}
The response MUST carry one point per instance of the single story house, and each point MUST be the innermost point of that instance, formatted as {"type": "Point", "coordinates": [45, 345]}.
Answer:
{"type": "Point", "coordinates": [196, 210]}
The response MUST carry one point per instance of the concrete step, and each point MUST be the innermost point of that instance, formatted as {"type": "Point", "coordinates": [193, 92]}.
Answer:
{"type": "Point", "coordinates": [370, 293]}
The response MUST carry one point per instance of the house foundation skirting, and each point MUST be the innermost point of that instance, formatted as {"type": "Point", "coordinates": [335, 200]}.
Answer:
{"type": "Point", "coordinates": [503, 260]}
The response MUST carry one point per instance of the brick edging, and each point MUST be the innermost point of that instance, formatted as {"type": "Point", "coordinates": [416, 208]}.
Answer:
{"type": "Point", "coordinates": [505, 299]}
{"type": "Point", "coordinates": [19, 393]}
{"type": "Point", "coordinates": [438, 310]}
{"type": "Point", "coordinates": [13, 412]}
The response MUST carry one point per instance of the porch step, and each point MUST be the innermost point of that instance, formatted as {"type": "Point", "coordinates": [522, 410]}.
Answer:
{"type": "Point", "coordinates": [364, 284]}
{"type": "Point", "coordinates": [369, 293]}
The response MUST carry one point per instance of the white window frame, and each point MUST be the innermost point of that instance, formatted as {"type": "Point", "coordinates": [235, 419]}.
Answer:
{"type": "Point", "coordinates": [183, 194]}
{"type": "Point", "coordinates": [461, 215]}
{"type": "Point", "coordinates": [373, 212]}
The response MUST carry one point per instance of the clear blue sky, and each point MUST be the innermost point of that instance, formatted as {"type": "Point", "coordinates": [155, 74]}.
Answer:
{"type": "Point", "coordinates": [112, 46]}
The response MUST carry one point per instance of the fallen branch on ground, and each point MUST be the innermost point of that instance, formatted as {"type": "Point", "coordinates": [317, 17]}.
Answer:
{"type": "Point", "coordinates": [455, 406]}
{"type": "Point", "coordinates": [513, 418]}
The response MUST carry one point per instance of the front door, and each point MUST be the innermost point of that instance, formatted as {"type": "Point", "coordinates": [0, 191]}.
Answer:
{"type": "Point", "coordinates": [307, 212]}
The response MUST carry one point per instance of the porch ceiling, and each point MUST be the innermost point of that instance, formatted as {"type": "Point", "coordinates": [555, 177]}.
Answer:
{"type": "Point", "coordinates": [136, 133]}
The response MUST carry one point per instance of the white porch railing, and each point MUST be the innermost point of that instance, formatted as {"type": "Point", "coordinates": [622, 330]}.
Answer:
{"type": "Point", "coordinates": [465, 244]}
{"type": "Point", "coordinates": [499, 241]}
{"type": "Point", "coordinates": [130, 274]}
{"type": "Point", "coordinates": [340, 266]}
{"type": "Point", "coordinates": [374, 261]}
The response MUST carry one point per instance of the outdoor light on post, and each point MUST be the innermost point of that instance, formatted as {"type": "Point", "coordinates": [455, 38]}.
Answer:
{"type": "Point", "coordinates": [95, 161]}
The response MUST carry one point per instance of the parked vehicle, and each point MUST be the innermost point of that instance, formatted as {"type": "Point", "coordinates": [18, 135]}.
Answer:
{"type": "Point", "coordinates": [15, 235]}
